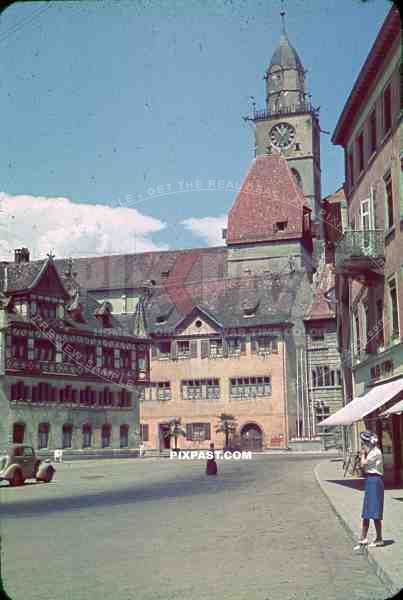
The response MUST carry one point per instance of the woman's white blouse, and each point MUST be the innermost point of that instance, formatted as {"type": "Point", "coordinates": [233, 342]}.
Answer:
{"type": "Point", "coordinates": [374, 461]}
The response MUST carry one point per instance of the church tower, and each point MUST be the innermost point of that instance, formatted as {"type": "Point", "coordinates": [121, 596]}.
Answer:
{"type": "Point", "coordinates": [290, 124]}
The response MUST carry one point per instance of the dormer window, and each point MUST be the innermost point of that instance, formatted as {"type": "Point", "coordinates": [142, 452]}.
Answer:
{"type": "Point", "coordinates": [249, 312]}
{"type": "Point", "coordinates": [161, 319]}
{"type": "Point", "coordinates": [165, 274]}
{"type": "Point", "coordinates": [280, 226]}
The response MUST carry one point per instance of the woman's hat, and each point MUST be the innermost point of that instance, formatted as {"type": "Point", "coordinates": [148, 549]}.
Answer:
{"type": "Point", "coordinates": [368, 437]}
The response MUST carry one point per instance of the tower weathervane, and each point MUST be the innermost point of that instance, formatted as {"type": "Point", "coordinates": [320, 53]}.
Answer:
{"type": "Point", "coordinates": [282, 13]}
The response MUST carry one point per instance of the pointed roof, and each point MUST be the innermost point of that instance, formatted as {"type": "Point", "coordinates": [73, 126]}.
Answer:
{"type": "Point", "coordinates": [285, 55]}
{"type": "Point", "coordinates": [269, 195]}
{"type": "Point", "coordinates": [139, 324]}
{"type": "Point", "coordinates": [26, 276]}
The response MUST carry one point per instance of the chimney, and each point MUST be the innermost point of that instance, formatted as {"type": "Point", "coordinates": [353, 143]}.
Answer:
{"type": "Point", "coordinates": [21, 255]}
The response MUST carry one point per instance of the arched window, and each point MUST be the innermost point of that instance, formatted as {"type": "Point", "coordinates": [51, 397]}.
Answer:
{"type": "Point", "coordinates": [327, 376]}
{"type": "Point", "coordinates": [67, 435]}
{"type": "Point", "coordinates": [43, 435]}
{"type": "Point", "coordinates": [297, 177]}
{"type": "Point", "coordinates": [320, 379]}
{"type": "Point", "coordinates": [124, 436]}
{"type": "Point", "coordinates": [87, 435]}
{"type": "Point", "coordinates": [18, 433]}
{"type": "Point", "coordinates": [106, 435]}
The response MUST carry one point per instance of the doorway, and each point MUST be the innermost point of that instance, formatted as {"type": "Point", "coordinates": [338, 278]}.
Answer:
{"type": "Point", "coordinates": [165, 441]}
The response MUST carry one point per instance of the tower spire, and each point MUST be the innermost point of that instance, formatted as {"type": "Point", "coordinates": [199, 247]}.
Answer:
{"type": "Point", "coordinates": [282, 14]}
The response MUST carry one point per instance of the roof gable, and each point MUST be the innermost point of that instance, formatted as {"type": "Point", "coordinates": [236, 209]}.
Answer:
{"type": "Point", "coordinates": [270, 205]}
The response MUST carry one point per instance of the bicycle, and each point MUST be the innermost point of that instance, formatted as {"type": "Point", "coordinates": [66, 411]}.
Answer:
{"type": "Point", "coordinates": [352, 464]}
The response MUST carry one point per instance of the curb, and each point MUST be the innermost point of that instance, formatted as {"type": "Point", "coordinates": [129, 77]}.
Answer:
{"type": "Point", "coordinates": [386, 579]}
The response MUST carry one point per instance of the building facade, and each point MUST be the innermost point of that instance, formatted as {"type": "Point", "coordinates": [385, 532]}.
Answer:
{"type": "Point", "coordinates": [68, 379]}
{"type": "Point", "coordinates": [246, 329]}
{"type": "Point", "coordinates": [368, 257]}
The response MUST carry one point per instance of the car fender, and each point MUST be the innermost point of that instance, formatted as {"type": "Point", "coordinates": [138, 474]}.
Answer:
{"type": "Point", "coordinates": [9, 472]}
{"type": "Point", "coordinates": [45, 468]}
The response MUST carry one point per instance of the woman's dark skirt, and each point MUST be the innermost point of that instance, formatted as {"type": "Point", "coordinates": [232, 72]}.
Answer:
{"type": "Point", "coordinates": [211, 467]}
{"type": "Point", "coordinates": [373, 498]}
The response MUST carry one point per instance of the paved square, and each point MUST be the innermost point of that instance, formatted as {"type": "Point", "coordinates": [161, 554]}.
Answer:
{"type": "Point", "coordinates": [160, 529]}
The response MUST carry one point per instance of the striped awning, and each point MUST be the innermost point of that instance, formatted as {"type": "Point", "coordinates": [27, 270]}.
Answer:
{"type": "Point", "coordinates": [362, 406]}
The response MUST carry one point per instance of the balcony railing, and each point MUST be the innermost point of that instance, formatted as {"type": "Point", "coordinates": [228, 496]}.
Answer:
{"type": "Point", "coordinates": [360, 252]}
{"type": "Point", "coordinates": [301, 107]}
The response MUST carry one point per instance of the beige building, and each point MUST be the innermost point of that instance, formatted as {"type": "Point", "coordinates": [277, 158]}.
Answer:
{"type": "Point", "coordinates": [369, 255]}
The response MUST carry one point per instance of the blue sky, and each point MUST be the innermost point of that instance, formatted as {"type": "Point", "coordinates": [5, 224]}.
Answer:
{"type": "Point", "coordinates": [104, 100]}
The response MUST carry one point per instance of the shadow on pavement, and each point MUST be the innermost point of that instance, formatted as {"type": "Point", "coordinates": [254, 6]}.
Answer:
{"type": "Point", "coordinates": [168, 489]}
{"type": "Point", "coordinates": [356, 484]}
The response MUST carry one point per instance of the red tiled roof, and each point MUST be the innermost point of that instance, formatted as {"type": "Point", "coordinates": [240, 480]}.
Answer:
{"type": "Point", "coordinates": [269, 195]}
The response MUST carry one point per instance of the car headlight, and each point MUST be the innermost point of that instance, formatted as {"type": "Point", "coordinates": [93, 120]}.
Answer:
{"type": "Point", "coordinates": [3, 462]}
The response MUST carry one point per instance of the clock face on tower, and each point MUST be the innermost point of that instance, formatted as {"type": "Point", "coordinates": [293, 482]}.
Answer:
{"type": "Point", "coordinates": [282, 135]}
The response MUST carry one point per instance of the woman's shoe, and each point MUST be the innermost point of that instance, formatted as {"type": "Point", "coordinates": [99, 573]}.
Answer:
{"type": "Point", "coordinates": [361, 544]}
{"type": "Point", "coordinates": [376, 544]}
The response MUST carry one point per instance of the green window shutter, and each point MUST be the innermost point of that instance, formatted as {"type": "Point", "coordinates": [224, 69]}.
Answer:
{"type": "Point", "coordinates": [254, 346]}
{"type": "Point", "coordinates": [154, 351]}
{"type": "Point", "coordinates": [274, 346]}
{"type": "Point", "coordinates": [189, 431]}
{"type": "Point", "coordinates": [224, 347]}
{"type": "Point", "coordinates": [193, 349]}
{"type": "Point", "coordinates": [208, 431]}
{"type": "Point", "coordinates": [205, 344]}
{"type": "Point", "coordinates": [243, 346]}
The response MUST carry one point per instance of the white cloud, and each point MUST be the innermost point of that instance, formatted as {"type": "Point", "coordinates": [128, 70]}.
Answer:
{"type": "Point", "coordinates": [207, 228]}
{"type": "Point", "coordinates": [64, 227]}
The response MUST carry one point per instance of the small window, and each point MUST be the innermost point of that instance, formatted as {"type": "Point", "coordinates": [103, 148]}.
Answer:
{"type": "Point", "coordinates": [389, 201]}
{"type": "Point", "coordinates": [351, 168]}
{"type": "Point", "coordinates": [106, 435]}
{"type": "Point", "coordinates": [67, 435]}
{"type": "Point", "coordinates": [280, 226]}
{"type": "Point", "coordinates": [164, 348]}
{"type": "Point", "coordinates": [297, 177]}
{"type": "Point", "coordinates": [87, 435]}
{"type": "Point", "coordinates": [124, 436]}
{"type": "Point", "coordinates": [360, 152]}
{"type": "Point", "coordinates": [372, 132]}
{"type": "Point", "coordinates": [43, 435]}
{"type": "Point", "coordinates": [18, 433]}
{"type": "Point", "coordinates": [387, 110]}
{"type": "Point", "coordinates": [144, 432]}
{"type": "Point", "coordinates": [394, 309]}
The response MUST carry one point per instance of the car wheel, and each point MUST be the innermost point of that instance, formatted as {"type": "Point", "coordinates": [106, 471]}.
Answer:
{"type": "Point", "coordinates": [17, 479]}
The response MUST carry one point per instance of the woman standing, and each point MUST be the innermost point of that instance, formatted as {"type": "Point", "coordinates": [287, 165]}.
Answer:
{"type": "Point", "coordinates": [372, 463]}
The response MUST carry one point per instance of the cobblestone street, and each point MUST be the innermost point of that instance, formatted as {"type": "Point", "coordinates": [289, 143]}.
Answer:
{"type": "Point", "coordinates": [159, 529]}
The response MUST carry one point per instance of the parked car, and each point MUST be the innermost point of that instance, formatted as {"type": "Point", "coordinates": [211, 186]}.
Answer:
{"type": "Point", "coordinates": [20, 462]}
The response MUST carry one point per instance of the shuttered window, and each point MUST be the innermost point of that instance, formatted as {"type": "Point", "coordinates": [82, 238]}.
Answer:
{"type": "Point", "coordinates": [198, 432]}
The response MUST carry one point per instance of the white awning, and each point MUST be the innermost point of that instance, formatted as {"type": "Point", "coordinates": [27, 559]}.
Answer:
{"type": "Point", "coordinates": [394, 410]}
{"type": "Point", "coordinates": [362, 406]}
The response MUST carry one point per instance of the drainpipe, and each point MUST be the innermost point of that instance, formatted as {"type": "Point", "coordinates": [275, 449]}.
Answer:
{"type": "Point", "coordinates": [298, 407]}
{"type": "Point", "coordinates": [302, 396]}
